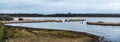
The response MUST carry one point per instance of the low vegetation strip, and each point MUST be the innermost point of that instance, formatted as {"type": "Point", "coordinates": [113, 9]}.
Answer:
{"type": "Point", "coordinates": [103, 23]}
{"type": "Point", "coordinates": [30, 21]}
{"type": "Point", "coordinates": [24, 34]}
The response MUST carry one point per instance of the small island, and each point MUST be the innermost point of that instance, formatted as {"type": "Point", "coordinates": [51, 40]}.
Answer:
{"type": "Point", "coordinates": [103, 23]}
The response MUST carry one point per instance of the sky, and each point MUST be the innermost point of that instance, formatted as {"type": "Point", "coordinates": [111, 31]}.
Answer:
{"type": "Point", "coordinates": [59, 6]}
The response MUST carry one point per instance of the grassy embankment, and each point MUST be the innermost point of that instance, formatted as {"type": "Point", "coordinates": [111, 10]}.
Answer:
{"type": "Point", "coordinates": [23, 34]}
{"type": "Point", "coordinates": [3, 18]}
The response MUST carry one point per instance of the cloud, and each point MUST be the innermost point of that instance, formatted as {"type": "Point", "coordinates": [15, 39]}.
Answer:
{"type": "Point", "coordinates": [59, 6]}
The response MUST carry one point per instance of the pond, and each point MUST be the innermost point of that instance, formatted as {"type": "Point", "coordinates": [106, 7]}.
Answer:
{"type": "Point", "coordinates": [109, 32]}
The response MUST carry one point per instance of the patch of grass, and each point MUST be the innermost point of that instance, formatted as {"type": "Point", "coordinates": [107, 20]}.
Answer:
{"type": "Point", "coordinates": [59, 33]}
{"type": "Point", "coordinates": [1, 32]}
{"type": "Point", "coordinates": [16, 33]}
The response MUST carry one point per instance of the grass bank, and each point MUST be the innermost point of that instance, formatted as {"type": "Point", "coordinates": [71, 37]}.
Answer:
{"type": "Point", "coordinates": [24, 34]}
{"type": "Point", "coordinates": [1, 32]}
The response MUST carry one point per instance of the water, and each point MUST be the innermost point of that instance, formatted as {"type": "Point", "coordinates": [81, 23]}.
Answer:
{"type": "Point", "coordinates": [109, 32]}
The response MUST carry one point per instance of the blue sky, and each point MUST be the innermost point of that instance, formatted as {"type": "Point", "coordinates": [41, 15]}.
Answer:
{"type": "Point", "coordinates": [59, 6]}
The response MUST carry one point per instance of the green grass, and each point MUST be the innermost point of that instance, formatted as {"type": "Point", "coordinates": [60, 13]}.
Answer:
{"type": "Point", "coordinates": [1, 33]}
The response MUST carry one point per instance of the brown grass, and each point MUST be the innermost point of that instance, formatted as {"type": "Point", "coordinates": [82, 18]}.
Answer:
{"type": "Point", "coordinates": [22, 34]}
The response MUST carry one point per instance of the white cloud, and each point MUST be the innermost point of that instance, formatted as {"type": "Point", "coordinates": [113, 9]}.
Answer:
{"type": "Point", "coordinates": [57, 6]}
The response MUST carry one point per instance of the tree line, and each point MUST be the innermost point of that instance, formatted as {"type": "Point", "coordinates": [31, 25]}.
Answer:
{"type": "Point", "coordinates": [63, 15]}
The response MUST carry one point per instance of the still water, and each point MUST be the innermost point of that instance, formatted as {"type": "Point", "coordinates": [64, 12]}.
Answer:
{"type": "Point", "coordinates": [109, 32]}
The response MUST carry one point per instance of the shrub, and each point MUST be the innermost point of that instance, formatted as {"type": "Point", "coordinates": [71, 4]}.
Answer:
{"type": "Point", "coordinates": [5, 18]}
{"type": "Point", "coordinates": [20, 19]}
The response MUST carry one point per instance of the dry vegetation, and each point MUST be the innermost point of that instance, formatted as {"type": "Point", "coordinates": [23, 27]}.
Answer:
{"type": "Point", "coordinates": [22, 34]}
